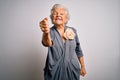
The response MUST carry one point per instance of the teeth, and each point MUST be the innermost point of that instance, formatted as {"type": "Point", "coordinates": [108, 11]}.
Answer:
{"type": "Point", "coordinates": [58, 18]}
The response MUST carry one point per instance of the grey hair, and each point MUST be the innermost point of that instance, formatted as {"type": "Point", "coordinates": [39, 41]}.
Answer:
{"type": "Point", "coordinates": [60, 6]}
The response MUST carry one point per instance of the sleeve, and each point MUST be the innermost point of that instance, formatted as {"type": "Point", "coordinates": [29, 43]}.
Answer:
{"type": "Point", "coordinates": [78, 49]}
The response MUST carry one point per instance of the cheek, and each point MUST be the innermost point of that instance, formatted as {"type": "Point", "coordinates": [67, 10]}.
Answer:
{"type": "Point", "coordinates": [65, 19]}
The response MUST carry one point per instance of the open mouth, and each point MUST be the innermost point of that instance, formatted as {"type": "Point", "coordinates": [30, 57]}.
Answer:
{"type": "Point", "coordinates": [58, 18]}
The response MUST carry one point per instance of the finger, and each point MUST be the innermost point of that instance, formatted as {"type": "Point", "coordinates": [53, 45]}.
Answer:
{"type": "Point", "coordinates": [45, 21]}
{"type": "Point", "coordinates": [40, 25]}
{"type": "Point", "coordinates": [44, 26]}
{"type": "Point", "coordinates": [44, 29]}
{"type": "Point", "coordinates": [81, 73]}
{"type": "Point", "coordinates": [46, 18]}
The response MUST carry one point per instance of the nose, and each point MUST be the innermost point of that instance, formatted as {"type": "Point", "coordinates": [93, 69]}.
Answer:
{"type": "Point", "coordinates": [58, 14]}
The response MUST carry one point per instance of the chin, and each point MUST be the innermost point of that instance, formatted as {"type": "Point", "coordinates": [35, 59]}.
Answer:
{"type": "Point", "coordinates": [58, 23]}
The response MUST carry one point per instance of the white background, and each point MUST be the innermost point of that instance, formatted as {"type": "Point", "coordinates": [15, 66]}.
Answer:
{"type": "Point", "coordinates": [22, 56]}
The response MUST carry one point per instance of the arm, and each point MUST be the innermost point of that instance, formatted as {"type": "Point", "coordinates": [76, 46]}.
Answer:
{"type": "Point", "coordinates": [80, 56]}
{"type": "Point", "coordinates": [83, 70]}
{"type": "Point", "coordinates": [46, 39]}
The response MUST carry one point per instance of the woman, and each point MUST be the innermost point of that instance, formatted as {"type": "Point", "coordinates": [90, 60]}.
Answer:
{"type": "Point", "coordinates": [65, 57]}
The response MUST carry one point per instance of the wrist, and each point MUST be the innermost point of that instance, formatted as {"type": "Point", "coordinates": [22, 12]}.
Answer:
{"type": "Point", "coordinates": [46, 34]}
{"type": "Point", "coordinates": [82, 65]}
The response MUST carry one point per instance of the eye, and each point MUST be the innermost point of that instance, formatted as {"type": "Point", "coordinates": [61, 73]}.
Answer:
{"type": "Point", "coordinates": [61, 13]}
{"type": "Point", "coordinates": [54, 14]}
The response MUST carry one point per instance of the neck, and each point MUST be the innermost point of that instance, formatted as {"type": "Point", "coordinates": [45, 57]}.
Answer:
{"type": "Point", "coordinates": [59, 27]}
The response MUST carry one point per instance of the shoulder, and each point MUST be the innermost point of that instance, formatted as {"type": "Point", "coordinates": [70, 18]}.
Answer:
{"type": "Point", "coordinates": [72, 29]}
{"type": "Point", "coordinates": [52, 28]}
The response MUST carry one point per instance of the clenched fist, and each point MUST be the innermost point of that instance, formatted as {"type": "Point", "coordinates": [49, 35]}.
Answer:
{"type": "Point", "coordinates": [44, 25]}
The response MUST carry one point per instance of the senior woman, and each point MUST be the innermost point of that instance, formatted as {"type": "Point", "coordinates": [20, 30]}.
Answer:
{"type": "Point", "coordinates": [65, 58]}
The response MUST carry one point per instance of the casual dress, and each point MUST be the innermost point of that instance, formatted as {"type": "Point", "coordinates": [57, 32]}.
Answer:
{"type": "Point", "coordinates": [62, 59]}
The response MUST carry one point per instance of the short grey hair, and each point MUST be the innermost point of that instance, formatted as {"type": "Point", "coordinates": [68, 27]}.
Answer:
{"type": "Point", "coordinates": [59, 6]}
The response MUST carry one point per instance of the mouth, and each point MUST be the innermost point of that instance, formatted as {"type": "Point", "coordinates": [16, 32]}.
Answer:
{"type": "Point", "coordinates": [58, 18]}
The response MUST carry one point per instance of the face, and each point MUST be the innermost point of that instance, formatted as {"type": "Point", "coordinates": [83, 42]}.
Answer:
{"type": "Point", "coordinates": [59, 16]}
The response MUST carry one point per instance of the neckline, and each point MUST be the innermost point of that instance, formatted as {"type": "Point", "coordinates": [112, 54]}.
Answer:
{"type": "Point", "coordinates": [63, 41]}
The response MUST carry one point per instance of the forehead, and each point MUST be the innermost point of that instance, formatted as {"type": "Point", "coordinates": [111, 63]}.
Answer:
{"type": "Point", "coordinates": [59, 10]}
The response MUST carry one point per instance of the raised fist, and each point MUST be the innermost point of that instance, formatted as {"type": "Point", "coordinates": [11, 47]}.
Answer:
{"type": "Point", "coordinates": [44, 25]}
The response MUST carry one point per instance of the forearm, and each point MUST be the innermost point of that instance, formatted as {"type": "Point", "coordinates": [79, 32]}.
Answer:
{"type": "Point", "coordinates": [81, 60]}
{"type": "Point", "coordinates": [83, 70]}
{"type": "Point", "coordinates": [46, 39]}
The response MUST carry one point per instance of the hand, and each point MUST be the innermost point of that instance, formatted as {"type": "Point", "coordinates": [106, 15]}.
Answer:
{"type": "Point", "coordinates": [83, 71]}
{"type": "Point", "coordinates": [44, 25]}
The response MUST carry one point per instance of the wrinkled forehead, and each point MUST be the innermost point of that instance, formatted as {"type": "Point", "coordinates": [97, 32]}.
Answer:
{"type": "Point", "coordinates": [59, 10]}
